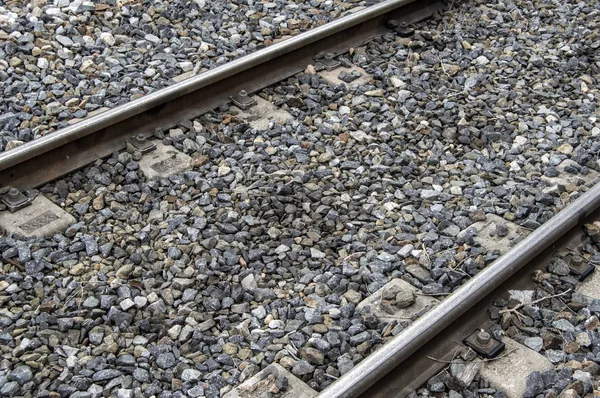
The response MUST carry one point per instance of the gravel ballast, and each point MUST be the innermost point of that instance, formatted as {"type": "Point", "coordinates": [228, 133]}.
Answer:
{"type": "Point", "coordinates": [63, 60]}
{"type": "Point", "coordinates": [260, 252]}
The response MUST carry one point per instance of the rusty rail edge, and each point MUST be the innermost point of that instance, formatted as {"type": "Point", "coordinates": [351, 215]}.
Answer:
{"type": "Point", "coordinates": [392, 355]}
{"type": "Point", "coordinates": [196, 95]}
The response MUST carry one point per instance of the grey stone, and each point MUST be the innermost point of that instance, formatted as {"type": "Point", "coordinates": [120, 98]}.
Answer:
{"type": "Point", "coordinates": [535, 343]}
{"type": "Point", "coordinates": [22, 374]}
{"type": "Point", "coordinates": [106, 374]}
{"type": "Point", "coordinates": [165, 360]}
{"type": "Point", "coordinates": [534, 385]}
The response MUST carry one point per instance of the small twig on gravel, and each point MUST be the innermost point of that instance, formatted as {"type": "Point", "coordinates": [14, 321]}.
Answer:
{"type": "Point", "coordinates": [443, 67]}
{"type": "Point", "coordinates": [425, 251]}
{"type": "Point", "coordinates": [16, 263]}
{"type": "Point", "coordinates": [380, 300]}
{"type": "Point", "coordinates": [456, 354]}
{"type": "Point", "coordinates": [432, 294]}
{"type": "Point", "coordinates": [351, 256]}
{"type": "Point", "coordinates": [516, 309]}
{"type": "Point", "coordinates": [456, 267]}
{"type": "Point", "coordinates": [293, 356]}
{"type": "Point", "coordinates": [448, 249]}
{"type": "Point", "coordinates": [80, 289]}
{"type": "Point", "coordinates": [401, 318]}
{"type": "Point", "coordinates": [566, 306]}
{"type": "Point", "coordinates": [482, 360]}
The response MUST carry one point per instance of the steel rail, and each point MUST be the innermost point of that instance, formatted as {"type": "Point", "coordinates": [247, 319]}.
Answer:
{"type": "Point", "coordinates": [157, 98]}
{"type": "Point", "coordinates": [424, 329]}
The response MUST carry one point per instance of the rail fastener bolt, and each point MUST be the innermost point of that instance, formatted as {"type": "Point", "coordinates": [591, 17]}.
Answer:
{"type": "Point", "coordinates": [482, 342]}
{"type": "Point", "coordinates": [15, 200]}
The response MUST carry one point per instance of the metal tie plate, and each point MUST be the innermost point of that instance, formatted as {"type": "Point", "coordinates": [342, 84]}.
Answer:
{"type": "Point", "coordinates": [580, 268]}
{"type": "Point", "coordinates": [242, 100]}
{"type": "Point", "coordinates": [328, 61]}
{"type": "Point", "coordinates": [401, 28]}
{"type": "Point", "coordinates": [15, 200]}
{"type": "Point", "coordinates": [141, 143]}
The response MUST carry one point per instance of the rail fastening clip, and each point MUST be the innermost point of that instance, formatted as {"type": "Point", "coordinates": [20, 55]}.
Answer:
{"type": "Point", "coordinates": [15, 200]}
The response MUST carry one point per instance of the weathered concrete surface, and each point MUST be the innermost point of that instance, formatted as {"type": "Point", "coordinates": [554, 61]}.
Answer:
{"type": "Point", "coordinates": [421, 305]}
{"type": "Point", "coordinates": [331, 77]}
{"type": "Point", "coordinates": [566, 179]}
{"type": "Point", "coordinates": [261, 114]}
{"type": "Point", "coordinates": [41, 218]}
{"type": "Point", "coordinates": [487, 237]}
{"type": "Point", "coordinates": [591, 286]}
{"type": "Point", "coordinates": [164, 161]}
{"type": "Point", "coordinates": [262, 382]}
{"type": "Point", "coordinates": [509, 372]}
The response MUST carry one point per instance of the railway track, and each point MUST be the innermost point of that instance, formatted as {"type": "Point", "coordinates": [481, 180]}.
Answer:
{"type": "Point", "coordinates": [296, 223]}
{"type": "Point", "coordinates": [438, 338]}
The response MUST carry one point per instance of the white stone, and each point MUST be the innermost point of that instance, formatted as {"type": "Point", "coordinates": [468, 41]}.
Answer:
{"type": "Point", "coordinates": [42, 63]}
{"type": "Point", "coordinates": [344, 110]}
{"type": "Point", "coordinates": [315, 253]}
{"type": "Point", "coordinates": [223, 170]}
{"type": "Point", "coordinates": [152, 297]}
{"type": "Point", "coordinates": [375, 93]}
{"type": "Point", "coordinates": [249, 282]}
{"type": "Point", "coordinates": [482, 60]}
{"type": "Point", "coordinates": [456, 190]}
{"type": "Point", "coordinates": [185, 66]}
{"type": "Point", "coordinates": [53, 11]}
{"type": "Point", "coordinates": [191, 375]}
{"type": "Point", "coordinates": [54, 108]}
{"type": "Point", "coordinates": [124, 393]}
{"type": "Point", "coordinates": [359, 135]}
{"type": "Point", "coordinates": [140, 340]}
{"type": "Point", "coordinates": [127, 304]}
{"type": "Point", "coordinates": [522, 296]}
{"type": "Point", "coordinates": [396, 82]}
{"type": "Point", "coordinates": [174, 331]}
{"type": "Point", "coordinates": [107, 38]}
{"type": "Point", "coordinates": [536, 343]}
{"type": "Point", "coordinates": [64, 40]}
{"type": "Point", "coordinates": [520, 140]}
{"type": "Point", "coordinates": [405, 250]}
{"type": "Point", "coordinates": [583, 339]}
{"type": "Point", "coordinates": [86, 65]}
{"type": "Point", "coordinates": [152, 38]}
{"type": "Point", "coordinates": [140, 301]}
{"type": "Point", "coordinates": [429, 194]}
